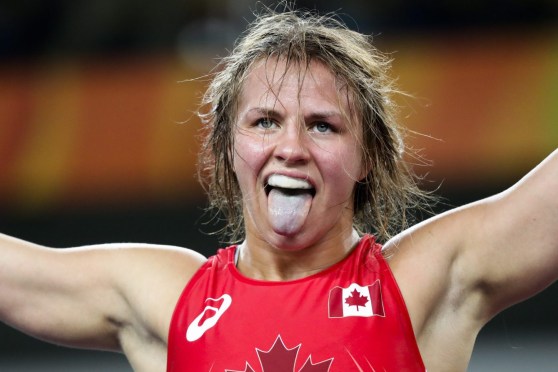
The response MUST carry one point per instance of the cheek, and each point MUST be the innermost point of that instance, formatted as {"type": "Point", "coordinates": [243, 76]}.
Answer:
{"type": "Point", "coordinates": [249, 155]}
{"type": "Point", "coordinates": [348, 165]}
{"type": "Point", "coordinates": [339, 177]}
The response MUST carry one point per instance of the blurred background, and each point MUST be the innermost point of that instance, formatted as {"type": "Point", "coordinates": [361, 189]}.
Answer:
{"type": "Point", "coordinates": [98, 133]}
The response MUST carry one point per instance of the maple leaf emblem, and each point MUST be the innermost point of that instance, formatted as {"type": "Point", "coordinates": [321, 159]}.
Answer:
{"type": "Point", "coordinates": [279, 358]}
{"type": "Point", "coordinates": [356, 299]}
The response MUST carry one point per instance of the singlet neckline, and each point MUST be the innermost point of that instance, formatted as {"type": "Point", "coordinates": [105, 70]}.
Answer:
{"type": "Point", "coordinates": [232, 255]}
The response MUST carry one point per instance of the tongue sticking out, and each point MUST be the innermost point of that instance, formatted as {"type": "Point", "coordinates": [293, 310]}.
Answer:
{"type": "Point", "coordinates": [288, 210]}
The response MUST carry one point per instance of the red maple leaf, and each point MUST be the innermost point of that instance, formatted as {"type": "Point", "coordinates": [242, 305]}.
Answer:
{"type": "Point", "coordinates": [281, 359]}
{"type": "Point", "coordinates": [278, 358]}
{"type": "Point", "coordinates": [356, 299]}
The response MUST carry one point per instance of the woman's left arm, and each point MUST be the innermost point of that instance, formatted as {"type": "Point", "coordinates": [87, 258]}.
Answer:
{"type": "Point", "coordinates": [459, 269]}
{"type": "Point", "coordinates": [512, 245]}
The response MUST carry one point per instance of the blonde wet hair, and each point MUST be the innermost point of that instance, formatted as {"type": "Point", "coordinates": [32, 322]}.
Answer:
{"type": "Point", "coordinates": [389, 190]}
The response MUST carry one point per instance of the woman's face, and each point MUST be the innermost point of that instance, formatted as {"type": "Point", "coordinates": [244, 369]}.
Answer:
{"type": "Point", "coordinates": [297, 156]}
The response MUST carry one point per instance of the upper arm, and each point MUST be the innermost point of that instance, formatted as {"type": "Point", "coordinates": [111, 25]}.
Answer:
{"type": "Point", "coordinates": [458, 269]}
{"type": "Point", "coordinates": [489, 254]}
{"type": "Point", "coordinates": [87, 297]}
{"type": "Point", "coordinates": [513, 247]}
{"type": "Point", "coordinates": [58, 295]}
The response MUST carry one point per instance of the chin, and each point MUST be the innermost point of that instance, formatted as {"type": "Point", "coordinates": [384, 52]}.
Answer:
{"type": "Point", "coordinates": [292, 241]}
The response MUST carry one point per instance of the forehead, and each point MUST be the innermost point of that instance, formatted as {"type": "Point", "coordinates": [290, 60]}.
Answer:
{"type": "Point", "coordinates": [273, 80]}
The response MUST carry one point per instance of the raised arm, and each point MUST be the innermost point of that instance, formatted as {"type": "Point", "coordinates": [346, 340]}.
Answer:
{"type": "Point", "coordinates": [115, 297]}
{"type": "Point", "coordinates": [513, 245]}
{"type": "Point", "coordinates": [459, 269]}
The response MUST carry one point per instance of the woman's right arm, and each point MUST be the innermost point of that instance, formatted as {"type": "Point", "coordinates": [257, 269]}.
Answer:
{"type": "Point", "coordinates": [91, 296]}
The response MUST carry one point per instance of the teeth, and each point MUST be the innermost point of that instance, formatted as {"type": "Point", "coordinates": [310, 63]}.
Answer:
{"type": "Point", "coordinates": [285, 182]}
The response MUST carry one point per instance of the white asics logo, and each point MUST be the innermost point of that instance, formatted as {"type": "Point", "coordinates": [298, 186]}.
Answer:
{"type": "Point", "coordinates": [195, 330]}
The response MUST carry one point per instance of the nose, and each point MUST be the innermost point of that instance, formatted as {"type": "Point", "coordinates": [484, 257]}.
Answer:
{"type": "Point", "coordinates": [291, 146]}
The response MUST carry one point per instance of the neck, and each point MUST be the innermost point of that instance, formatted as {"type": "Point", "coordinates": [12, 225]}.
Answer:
{"type": "Point", "coordinates": [265, 262]}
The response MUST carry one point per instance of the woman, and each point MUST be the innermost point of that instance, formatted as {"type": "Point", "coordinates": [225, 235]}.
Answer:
{"type": "Point", "coordinates": [302, 155]}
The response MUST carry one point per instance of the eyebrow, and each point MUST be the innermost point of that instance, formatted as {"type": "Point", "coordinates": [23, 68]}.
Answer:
{"type": "Point", "coordinates": [326, 115]}
{"type": "Point", "coordinates": [270, 112]}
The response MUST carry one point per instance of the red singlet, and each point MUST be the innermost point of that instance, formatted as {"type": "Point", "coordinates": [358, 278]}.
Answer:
{"type": "Point", "coordinates": [349, 317]}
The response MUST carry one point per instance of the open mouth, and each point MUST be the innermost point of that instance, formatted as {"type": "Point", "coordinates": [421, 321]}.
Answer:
{"type": "Point", "coordinates": [289, 185]}
{"type": "Point", "coordinates": [289, 201]}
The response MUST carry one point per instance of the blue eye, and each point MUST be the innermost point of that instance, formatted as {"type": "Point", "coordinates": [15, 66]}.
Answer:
{"type": "Point", "coordinates": [322, 127]}
{"type": "Point", "coordinates": [265, 123]}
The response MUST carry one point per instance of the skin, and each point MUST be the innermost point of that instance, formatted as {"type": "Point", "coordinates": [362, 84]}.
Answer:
{"type": "Point", "coordinates": [121, 297]}
{"type": "Point", "coordinates": [298, 131]}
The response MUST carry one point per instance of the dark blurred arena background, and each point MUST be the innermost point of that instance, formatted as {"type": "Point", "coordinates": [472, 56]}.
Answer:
{"type": "Point", "coordinates": [98, 127]}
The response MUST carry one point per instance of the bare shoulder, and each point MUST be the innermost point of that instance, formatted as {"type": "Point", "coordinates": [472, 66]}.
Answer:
{"type": "Point", "coordinates": [427, 262]}
{"type": "Point", "coordinates": [130, 263]}
{"type": "Point", "coordinates": [110, 296]}
{"type": "Point", "coordinates": [479, 248]}
{"type": "Point", "coordinates": [171, 258]}
{"type": "Point", "coordinates": [457, 270]}
{"type": "Point", "coordinates": [152, 278]}
{"type": "Point", "coordinates": [422, 259]}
